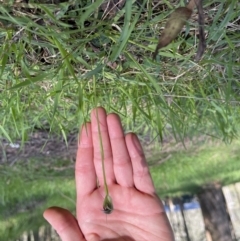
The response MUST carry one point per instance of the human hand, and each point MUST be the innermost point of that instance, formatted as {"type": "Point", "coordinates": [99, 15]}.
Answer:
{"type": "Point", "coordinates": [137, 214]}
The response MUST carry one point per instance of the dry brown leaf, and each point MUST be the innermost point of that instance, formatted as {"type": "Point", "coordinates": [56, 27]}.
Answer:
{"type": "Point", "coordinates": [173, 27]}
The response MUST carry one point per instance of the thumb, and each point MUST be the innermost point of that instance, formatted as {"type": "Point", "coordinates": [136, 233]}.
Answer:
{"type": "Point", "coordinates": [64, 223]}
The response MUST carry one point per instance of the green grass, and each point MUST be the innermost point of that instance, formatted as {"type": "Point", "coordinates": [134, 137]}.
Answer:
{"type": "Point", "coordinates": [186, 171]}
{"type": "Point", "coordinates": [59, 61]}
{"type": "Point", "coordinates": [26, 190]}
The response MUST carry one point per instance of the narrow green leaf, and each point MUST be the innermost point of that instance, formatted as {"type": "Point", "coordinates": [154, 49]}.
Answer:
{"type": "Point", "coordinates": [5, 134]}
{"type": "Point", "coordinates": [32, 80]}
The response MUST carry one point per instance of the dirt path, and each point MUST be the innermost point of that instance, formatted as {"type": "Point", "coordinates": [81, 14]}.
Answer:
{"type": "Point", "coordinates": [39, 145]}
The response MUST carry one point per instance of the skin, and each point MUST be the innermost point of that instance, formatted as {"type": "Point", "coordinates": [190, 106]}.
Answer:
{"type": "Point", "coordinates": [137, 214]}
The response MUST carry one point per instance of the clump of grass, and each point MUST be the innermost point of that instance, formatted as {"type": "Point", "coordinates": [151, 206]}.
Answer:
{"type": "Point", "coordinates": [51, 56]}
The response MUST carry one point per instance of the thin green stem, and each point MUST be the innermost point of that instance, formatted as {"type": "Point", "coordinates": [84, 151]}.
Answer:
{"type": "Point", "coordinates": [107, 202]}
{"type": "Point", "coordinates": [102, 156]}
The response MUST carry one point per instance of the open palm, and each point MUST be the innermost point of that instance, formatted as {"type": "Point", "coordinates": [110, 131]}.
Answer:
{"type": "Point", "coordinates": [137, 211]}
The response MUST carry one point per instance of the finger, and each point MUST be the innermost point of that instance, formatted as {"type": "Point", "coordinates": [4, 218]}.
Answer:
{"type": "Point", "coordinates": [141, 175]}
{"type": "Point", "coordinates": [86, 180]}
{"type": "Point", "coordinates": [121, 160]}
{"type": "Point", "coordinates": [64, 223]}
{"type": "Point", "coordinates": [98, 119]}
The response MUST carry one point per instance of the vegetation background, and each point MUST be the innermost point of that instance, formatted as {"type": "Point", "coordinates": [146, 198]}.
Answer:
{"type": "Point", "coordinates": [59, 59]}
